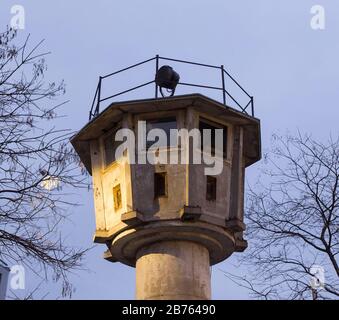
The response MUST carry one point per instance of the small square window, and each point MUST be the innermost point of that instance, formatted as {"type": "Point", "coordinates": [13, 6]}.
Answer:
{"type": "Point", "coordinates": [117, 197]}
{"type": "Point", "coordinates": [160, 184]}
{"type": "Point", "coordinates": [211, 188]}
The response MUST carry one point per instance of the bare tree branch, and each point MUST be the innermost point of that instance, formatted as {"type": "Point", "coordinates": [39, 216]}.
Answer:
{"type": "Point", "coordinates": [292, 221]}
{"type": "Point", "coordinates": [36, 164]}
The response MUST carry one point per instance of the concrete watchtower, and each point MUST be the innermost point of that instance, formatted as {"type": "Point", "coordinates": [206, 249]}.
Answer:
{"type": "Point", "coordinates": [171, 220]}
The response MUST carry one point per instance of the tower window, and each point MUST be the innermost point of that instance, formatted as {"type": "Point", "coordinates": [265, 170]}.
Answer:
{"type": "Point", "coordinates": [111, 146]}
{"type": "Point", "coordinates": [211, 188]}
{"type": "Point", "coordinates": [117, 197]}
{"type": "Point", "coordinates": [165, 124]}
{"type": "Point", "coordinates": [208, 125]}
{"type": "Point", "coordinates": [160, 184]}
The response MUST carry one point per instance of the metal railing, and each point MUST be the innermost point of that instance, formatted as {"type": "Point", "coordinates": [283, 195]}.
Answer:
{"type": "Point", "coordinates": [95, 108]}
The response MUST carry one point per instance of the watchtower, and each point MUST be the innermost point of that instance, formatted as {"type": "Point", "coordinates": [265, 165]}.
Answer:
{"type": "Point", "coordinates": [168, 181]}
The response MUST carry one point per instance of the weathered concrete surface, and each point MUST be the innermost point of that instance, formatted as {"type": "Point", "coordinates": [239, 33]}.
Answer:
{"type": "Point", "coordinates": [173, 270]}
{"type": "Point", "coordinates": [174, 237]}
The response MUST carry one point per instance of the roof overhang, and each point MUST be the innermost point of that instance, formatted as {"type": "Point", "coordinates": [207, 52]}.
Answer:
{"type": "Point", "coordinates": [113, 113]}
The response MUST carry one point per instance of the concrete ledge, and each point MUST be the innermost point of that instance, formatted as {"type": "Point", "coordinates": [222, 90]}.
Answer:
{"type": "Point", "coordinates": [219, 242]}
{"type": "Point", "coordinates": [240, 245]}
{"type": "Point", "coordinates": [235, 225]}
{"type": "Point", "coordinates": [102, 236]}
{"type": "Point", "coordinates": [108, 256]}
{"type": "Point", "coordinates": [131, 217]}
{"type": "Point", "coordinates": [188, 213]}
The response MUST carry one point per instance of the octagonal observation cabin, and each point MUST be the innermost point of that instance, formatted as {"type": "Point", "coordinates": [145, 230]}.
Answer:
{"type": "Point", "coordinates": [137, 204]}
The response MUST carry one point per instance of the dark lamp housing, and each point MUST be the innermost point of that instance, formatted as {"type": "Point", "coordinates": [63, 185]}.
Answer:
{"type": "Point", "coordinates": [167, 78]}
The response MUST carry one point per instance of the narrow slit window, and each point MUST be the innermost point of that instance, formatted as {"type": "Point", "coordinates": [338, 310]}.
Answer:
{"type": "Point", "coordinates": [117, 197]}
{"type": "Point", "coordinates": [160, 185]}
{"type": "Point", "coordinates": [111, 145]}
{"type": "Point", "coordinates": [211, 188]}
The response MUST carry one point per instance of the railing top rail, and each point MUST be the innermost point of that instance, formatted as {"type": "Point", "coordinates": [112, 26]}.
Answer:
{"type": "Point", "coordinates": [191, 62]}
{"type": "Point", "coordinates": [98, 99]}
{"type": "Point", "coordinates": [127, 68]}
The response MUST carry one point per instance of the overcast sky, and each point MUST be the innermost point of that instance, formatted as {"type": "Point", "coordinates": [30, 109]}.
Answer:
{"type": "Point", "coordinates": [269, 46]}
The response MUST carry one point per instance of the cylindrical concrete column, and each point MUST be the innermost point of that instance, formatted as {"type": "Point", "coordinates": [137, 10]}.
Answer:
{"type": "Point", "coordinates": [173, 270]}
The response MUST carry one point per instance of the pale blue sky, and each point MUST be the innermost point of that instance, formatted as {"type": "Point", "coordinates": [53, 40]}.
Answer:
{"type": "Point", "coordinates": [269, 46]}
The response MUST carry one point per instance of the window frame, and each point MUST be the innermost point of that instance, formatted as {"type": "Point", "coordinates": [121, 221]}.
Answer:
{"type": "Point", "coordinates": [149, 116]}
{"type": "Point", "coordinates": [110, 132]}
{"type": "Point", "coordinates": [159, 120]}
{"type": "Point", "coordinates": [217, 125]}
{"type": "Point", "coordinates": [165, 180]}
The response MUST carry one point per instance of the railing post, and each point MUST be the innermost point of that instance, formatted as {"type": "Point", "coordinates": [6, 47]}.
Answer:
{"type": "Point", "coordinates": [156, 70]}
{"type": "Point", "coordinates": [223, 84]}
{"type": "Point", "coordinates": [252, 106]}
{"type": "Point", "coordinates": [99, 97]}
